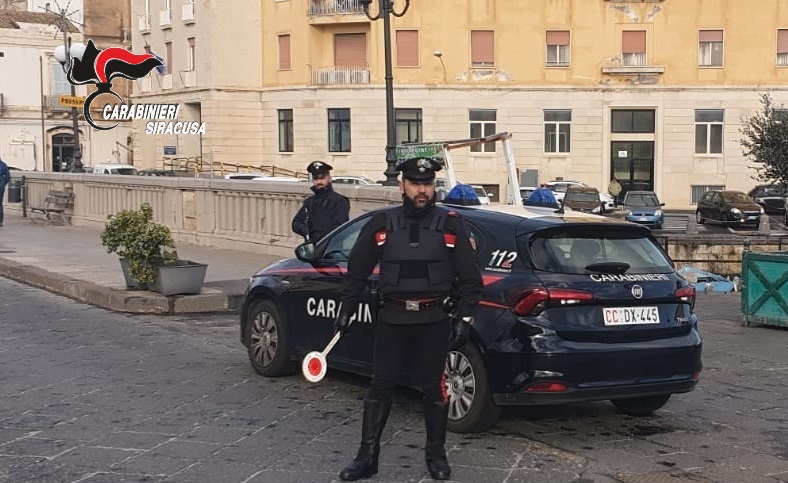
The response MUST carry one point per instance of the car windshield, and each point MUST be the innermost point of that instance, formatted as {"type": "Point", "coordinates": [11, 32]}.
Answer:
{"type": "Point", "coordinates": [480, 191]}
{"type": "Point", "coordinates": [644, 199]}
{"type": "Point", "coordinates": [572, 251]}
{"type": "Point", "coordinates": [584, 196]}
{"type": "Point", "coordinates": [123, 171]}
{"type": "Point", "coordinates": [771, 191]}
{"type": "Point", "coordinates": [733, 197]}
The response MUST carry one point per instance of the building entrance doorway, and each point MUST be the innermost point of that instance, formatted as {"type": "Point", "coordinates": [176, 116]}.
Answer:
{"type": "Point", "coordinates": [633, 165]}
{"type": "Point", "coordinates": [62, 152]}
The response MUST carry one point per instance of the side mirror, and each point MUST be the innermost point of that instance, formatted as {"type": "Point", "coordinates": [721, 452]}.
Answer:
{"type": "Point", "coordinates": [306, 252]}
{"type": "Point", "coordinates": [491, 195]}
{"type": "Point", "coordinates": [662, 204]}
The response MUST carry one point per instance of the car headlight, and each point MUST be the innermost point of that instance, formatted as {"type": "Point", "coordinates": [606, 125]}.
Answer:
{"type": "Point", "coordinates": [629, 213]}
{"type": "Point", "coordinates": [762, 210]}
{"type": "Point", "coordinates": [657, 212]}
{"type": "Point", "coordinates": [736, 211]}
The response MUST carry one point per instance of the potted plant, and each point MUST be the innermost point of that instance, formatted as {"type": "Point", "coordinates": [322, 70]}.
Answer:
{"type": "Point", "coordinates": [147, 254]}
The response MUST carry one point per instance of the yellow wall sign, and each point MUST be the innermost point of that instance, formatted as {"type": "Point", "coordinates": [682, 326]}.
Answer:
{"type": "Point", "coordinates": [71, 101]}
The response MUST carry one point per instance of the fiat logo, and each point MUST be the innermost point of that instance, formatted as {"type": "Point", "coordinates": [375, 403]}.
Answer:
{"type": "Point", "coordinates": [637, 291]}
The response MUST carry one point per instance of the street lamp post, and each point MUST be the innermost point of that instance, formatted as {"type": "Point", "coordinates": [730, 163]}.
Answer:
{"type": "Point", "coordinates": [385, 10]}
{"type": "Point", "coordinates": [64, 54]}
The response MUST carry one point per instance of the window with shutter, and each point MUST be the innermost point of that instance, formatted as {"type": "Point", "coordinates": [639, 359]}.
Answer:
{"type": "Point", "coordinates": [782, 47]}
{"type": "Point", "coordinates": [557, 42]}
{"type": "Point", "coordinates": [482, 48]}
{"type": "Point", "coordinates": [633, 47]}
{"type": "Point", "coordinates": [350, 50]}
{"type": "Point", "coordinates": [284, 52]}
{"type": "Point", "coordinates": [710, 48]}
{"type": "Point", "coordinates": [407, 48]}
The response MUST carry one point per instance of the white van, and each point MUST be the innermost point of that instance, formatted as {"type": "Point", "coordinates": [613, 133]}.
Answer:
{"type": "Point", "coordinates": [113, 168]}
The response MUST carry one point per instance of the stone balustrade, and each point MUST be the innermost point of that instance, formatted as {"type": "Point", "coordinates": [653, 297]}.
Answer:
{"type": "Point", "coordinates": [235, 214]}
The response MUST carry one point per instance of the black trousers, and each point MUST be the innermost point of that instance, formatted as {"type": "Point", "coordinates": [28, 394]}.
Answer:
{"type": "Point", "coordinates": [427, 343]}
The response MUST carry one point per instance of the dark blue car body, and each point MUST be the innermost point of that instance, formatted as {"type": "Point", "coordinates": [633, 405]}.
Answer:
{"type": "Point", "coordinates": [552, 327]}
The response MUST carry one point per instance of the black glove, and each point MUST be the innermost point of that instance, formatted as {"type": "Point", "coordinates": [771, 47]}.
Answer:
{"type": "Point", "coordinates": [342, 322]}
{"type": "Point", "coordinates": [460, 330]}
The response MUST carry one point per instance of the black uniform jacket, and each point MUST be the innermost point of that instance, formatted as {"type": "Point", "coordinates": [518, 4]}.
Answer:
{"type": "Point", "coordinates": [321, 213]}
{"type": "Point", "coordinates": [366, 254]}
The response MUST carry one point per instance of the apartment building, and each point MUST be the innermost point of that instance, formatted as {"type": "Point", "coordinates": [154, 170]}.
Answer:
{"type": "Point", "coordinates": [650, 91]}
{"type": "Point", "coordinates": [212, 54]}
{"type": "Point", "coordinates": [36, 131]}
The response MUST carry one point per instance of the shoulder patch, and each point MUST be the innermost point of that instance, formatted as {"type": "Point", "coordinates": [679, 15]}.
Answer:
{"type": "Point", "coordinates": [380, 237]}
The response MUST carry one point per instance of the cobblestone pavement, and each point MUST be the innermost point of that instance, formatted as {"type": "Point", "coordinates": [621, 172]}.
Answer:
{"type": "Point", "coordinates": [92, 396]}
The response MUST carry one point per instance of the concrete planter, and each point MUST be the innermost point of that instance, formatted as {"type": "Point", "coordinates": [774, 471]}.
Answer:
{"type": "Point", "coordinates": [184, 277]}
{"type": "Point", "coordinates": [131, 283]}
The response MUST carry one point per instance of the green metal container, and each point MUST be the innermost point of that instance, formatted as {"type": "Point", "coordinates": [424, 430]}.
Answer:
{"type": "Point", "coordinates": [764, 294]}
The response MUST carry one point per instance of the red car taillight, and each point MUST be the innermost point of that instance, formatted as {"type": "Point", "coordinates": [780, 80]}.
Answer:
{"type": "Point", "coordinates": [686, 295]}
{"type": "Point", "coordinates": [536, 300]}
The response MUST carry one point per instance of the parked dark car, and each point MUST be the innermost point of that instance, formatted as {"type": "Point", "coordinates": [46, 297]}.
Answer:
{"type": "Point", "coordinates": [573, 309]}
{"type": "Point", "coordinates": [729, 207]}
{"type": "Point", "coordinates": [643, 207]}
{"type": "Point", "coordinates": [583, 198]}
{"type": "Point", "coordinates": [770, 197]}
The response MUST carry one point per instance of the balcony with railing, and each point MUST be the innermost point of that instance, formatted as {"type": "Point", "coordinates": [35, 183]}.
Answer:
{"type": "Point", "coordinates": [633, 63]}
{"type": "Point", "coordinates": [340, 75]}
{"type": "Point", "coordinates": [336, 11]}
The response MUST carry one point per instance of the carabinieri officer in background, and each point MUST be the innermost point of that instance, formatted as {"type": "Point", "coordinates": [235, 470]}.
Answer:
{"type": "Point", "coordinates": [324, 211]}
{"type": "Point", "coordinates": [425, 256]}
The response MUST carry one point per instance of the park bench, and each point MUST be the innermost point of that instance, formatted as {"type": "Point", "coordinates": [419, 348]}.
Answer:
{"type": "Point", "coordinates": [55, 205]}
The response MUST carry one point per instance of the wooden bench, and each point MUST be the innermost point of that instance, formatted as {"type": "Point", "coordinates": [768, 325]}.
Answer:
{"type": "Point", "coordinates": [54, 208]}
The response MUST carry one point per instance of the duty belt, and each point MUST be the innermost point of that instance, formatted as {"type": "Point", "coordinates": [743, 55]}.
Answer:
{"type": "Point", "coordinates": [416, 305]}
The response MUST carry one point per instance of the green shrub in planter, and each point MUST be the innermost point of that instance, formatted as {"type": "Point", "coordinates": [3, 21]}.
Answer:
{"type": "Point", "coordinates": [133, 235]}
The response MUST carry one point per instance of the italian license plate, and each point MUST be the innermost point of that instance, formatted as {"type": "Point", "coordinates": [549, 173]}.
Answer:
{"type": "Point", "coordinates": [630, 315]}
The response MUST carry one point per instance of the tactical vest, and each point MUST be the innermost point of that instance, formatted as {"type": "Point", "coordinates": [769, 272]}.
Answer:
{"type": "Point", "coordinates": [415, 255]}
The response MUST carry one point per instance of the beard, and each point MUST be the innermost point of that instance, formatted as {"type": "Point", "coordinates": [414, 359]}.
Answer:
{"type": "Point", "coordinates": [415, 208]}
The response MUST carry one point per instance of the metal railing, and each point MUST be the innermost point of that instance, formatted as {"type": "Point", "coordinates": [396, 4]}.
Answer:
{"type": "Point", "coordinates": [340, 75]}
{"type": "Point", "coordinates": [200, 169]}
{"type": "Point", "coordinates": [334, 7]}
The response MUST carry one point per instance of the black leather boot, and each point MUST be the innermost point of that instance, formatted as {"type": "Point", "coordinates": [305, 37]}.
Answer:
{"type": "Point", "coordinates": [376, 413]}
{"type": "Point", "coordinates": [436, 416]}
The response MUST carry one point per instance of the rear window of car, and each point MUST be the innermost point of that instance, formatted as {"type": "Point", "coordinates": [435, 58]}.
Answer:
{"type": "Point", "coordinates": [638, 199]}
{"type": "Point", "coordinates": [733, 197]}
{"type": "Point", "coordinates": [573, 251]}
{"type": "Point", "coordinates": [126, 171]}
{"type": "Point", "coordinates": [577, 195]}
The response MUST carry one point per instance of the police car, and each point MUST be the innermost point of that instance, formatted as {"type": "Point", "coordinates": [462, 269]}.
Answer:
{"type": "Point", "coordinates": [576, 307]}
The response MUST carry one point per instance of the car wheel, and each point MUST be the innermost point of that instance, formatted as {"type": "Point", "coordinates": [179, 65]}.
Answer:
{"type": "Point", "coordinates": [785, 221]}
{"type": "Point", "coordinates": [641, 406]}
{"type": "Point", "coordinates": [699, 218]}
{"type": "Point", "coordinates": [267, 340]}
{"type": "Point", "coordinates": [471, 407]}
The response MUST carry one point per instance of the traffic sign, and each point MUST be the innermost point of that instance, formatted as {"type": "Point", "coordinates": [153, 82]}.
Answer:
{"type": "Point", "coordinates": [71, 101]}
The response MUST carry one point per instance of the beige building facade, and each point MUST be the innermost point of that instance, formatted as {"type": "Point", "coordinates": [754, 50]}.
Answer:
{"type": "Point", "coordinates": [652, 92]}
{"type": "Point", "coordinates": [36, 131]}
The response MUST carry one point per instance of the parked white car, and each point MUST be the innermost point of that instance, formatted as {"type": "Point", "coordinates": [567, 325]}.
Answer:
{"type": "Point", "coordinates": [481, 193]}
{"type": "Point", "coordinates": [113, 168]}
{"type": "Point", "coordinates": [354, 180]}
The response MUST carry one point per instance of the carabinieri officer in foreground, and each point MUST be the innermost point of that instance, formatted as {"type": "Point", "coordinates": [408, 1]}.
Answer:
{"type": "Point", "coordinates": [425, 256]}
